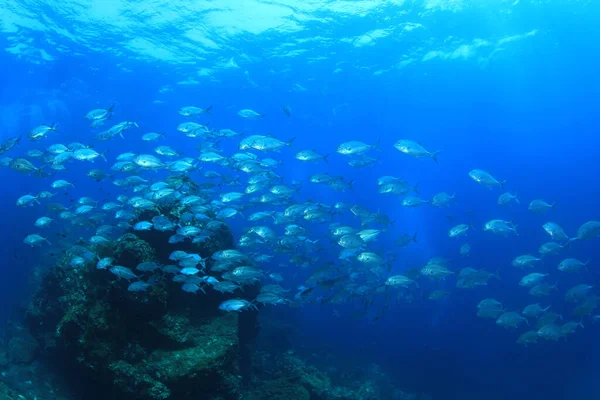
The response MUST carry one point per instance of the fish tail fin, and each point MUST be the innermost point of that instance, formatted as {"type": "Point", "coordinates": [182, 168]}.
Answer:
{"type": "Point", "coordinates": [517, 197]}
{"type": "Point", "coordinates": [434, 156]}
{"type": "Point", "coordinates": [207, 110]}
{"type": "Point", "coordinates": [350, 185]}
{"type": "Point", "coordinates": [497, 274]}
{"type": "Point", "coordinates": [109, 109]}
{"type": "Point", "coordinates": [121, 134]}
{"type": "Point", "coordinates": [325, 158]}
{"type": "Point", "coordinates": [136, 124]}
{"type": "Point", "coordinates": [53, 126]}
{"type": "Point", "coordinates": [40, 170]}
{"type": "Point", "coordinates": [376, 144]}
{"type": "Point", "coordinates": [546, 309]}
{"type": "Point", "coordinates": [46, 239]}
{"type": "Point", "coordinates": [416, 188]}
{"type": "Point", "coordinates": [414, 238]}
{"type": "Point", "coordinates": [502, 184]}
{"type": "Point", "coordinates": [103, 155]}
{"type": "Point", "coordinates": [553, 205]}
{"type": "Point", "coordinates": [289, 142]}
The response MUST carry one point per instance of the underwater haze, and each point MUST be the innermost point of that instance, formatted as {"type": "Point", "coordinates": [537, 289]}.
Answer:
{"type": "Point", "coordinates": [404, 191]}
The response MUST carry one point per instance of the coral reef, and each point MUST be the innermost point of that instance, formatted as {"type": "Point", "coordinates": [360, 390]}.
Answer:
{"type": "Point", "coordinates": [285, 376]}
{"type": "Point", "coordinates": [160, 344]}
{"type": "Point", "coordinates": [22, 349]}
{"type": "Point", "coordinates": [106, 342]}
{"type": "Point", "coordinates": [8, 394]}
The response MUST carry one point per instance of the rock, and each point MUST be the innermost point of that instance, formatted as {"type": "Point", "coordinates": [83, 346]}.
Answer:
{"type": "Point", "coordinates": [23, 349]}
{"type": "Point", "coordinates": [279, 389]}
{"type": "Point", "coordinates": [7, 394]}
{"type": "Point", "coordinates": [159, 344]}
{"type": "Point", "coordinates": [133, 380]}
{"type": "Point", "coordinates": [208, 367]}
{"type": "Point", "coordinates": [4, 358]}
{"type": "Point", "coordinates": [173, 327]}
{"type": "Point", "coordinates": [130, 250]}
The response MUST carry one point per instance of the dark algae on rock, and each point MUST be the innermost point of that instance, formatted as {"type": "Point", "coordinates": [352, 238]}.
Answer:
{"type": "Point", "coordinates": [159, 344]}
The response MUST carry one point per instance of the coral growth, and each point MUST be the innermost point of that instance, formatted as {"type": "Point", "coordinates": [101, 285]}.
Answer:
{"type": "Point", "coordinates": [159, 344]}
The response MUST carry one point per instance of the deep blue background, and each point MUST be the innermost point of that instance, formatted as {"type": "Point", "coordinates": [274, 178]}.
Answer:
{"type": "Point", "coordinates": [530, 117]}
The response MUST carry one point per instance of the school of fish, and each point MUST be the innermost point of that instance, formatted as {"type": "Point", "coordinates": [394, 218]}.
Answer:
{"type": "Point", "coordinates": [194, 195]}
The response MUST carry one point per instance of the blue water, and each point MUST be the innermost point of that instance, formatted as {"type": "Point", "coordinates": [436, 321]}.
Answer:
{"type": "Point", "coordinates": [512, 89]}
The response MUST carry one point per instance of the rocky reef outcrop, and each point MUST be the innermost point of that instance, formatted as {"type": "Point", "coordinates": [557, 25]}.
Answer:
{"type": "Point", "coordinates": [162, 343]}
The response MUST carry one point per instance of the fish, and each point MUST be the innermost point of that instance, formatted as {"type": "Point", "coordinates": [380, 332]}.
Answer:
{"type": "Point", "coordinates": [43, 222]}
{"type": "Point", "coordinates": [484, 178]}
{"type": "Point", "coordinates": [311, 156]}
{"type": "Point", "coordinates": [458, 230]}
{"type": "Point", "coordinates": [588, 230]}
{"type": "Point", "coordinates": [500, 227]}
{"type": "Point", "coordinates": [287, 111]}
{"type": "Point", "coordinates": [413, 201]}
{"type": "Point", "coordinates": [88, 155]}
{"type": "Point", "coordinates": [139, 286]}
{"type": "Point", "coordinates": [511, 319]}
{"type": "Point", "coordinates": [99, 113]}
{"type": "Point", "coordinates": [236, 305]}
{"type": "Point", "coordinates": [105, 263]}
{"type": "Point", "coordinates": [550, 248]}
{"type": "Point", "coordinates": [24, 166]}
{"type": "Point", "coordinates": [40, 131]}
{"type": "Point", "coordinates": [507, 198]}
{"type": "Point", "coordinates": [9, 143]}
{"type": "Point", "coordinates": [540, 206]}
{"type": "Point", "coordinates": [550, 332]}
{"type": "Point", "coordinates": [148, 161]}
{"type": "Point", "coordinates": [443, 199]}
{"type": "Point", "coordinates": [436, 271]}
{"type": "Point", "coordinates": [571, 265]}
{"type": "Point", "coordinates": [541, 289]}
{"type": "Point", "coordinates": [534, 310]}
{"type": "Point", "coordinates": [27, 200]}
{"type": "Point", "coordinates": [525, 261]}
{"type": "Point", "coordinates": [415, 149]}
{"type": "Point", "coordinates": [152, 136]}
{"type": "Point", "coordinates": [578, 292]}
{"type": "Point", "coordinates": [405, 239]}
{"type": "Point", "coordinates": [400, 281]}
{"type": "Point", "coordinates": [143, 226]}
{"type": "Point", "coordinates": [355, 147]}
{"type": "Point", "coordinates": [35, 240]}
{"type": "Point", "coordinates": [270, 144]}
{"type": "Point", "coordinates": [192, 111]}
{"type": "Point", "coordinates": [98, 174]}
{"type": "Point", "coordinates": [532, 279]}
{"type": "Point", "coordinates": [465, 249]}
{"type": "Point", "coordinates": [529, 337]}
{"type": "Point", "coordinates": [249, 114]}
{"type": "Point", "coordinates": [556, 232]}
{"type": "Point", "coordinates": [123, 272]}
